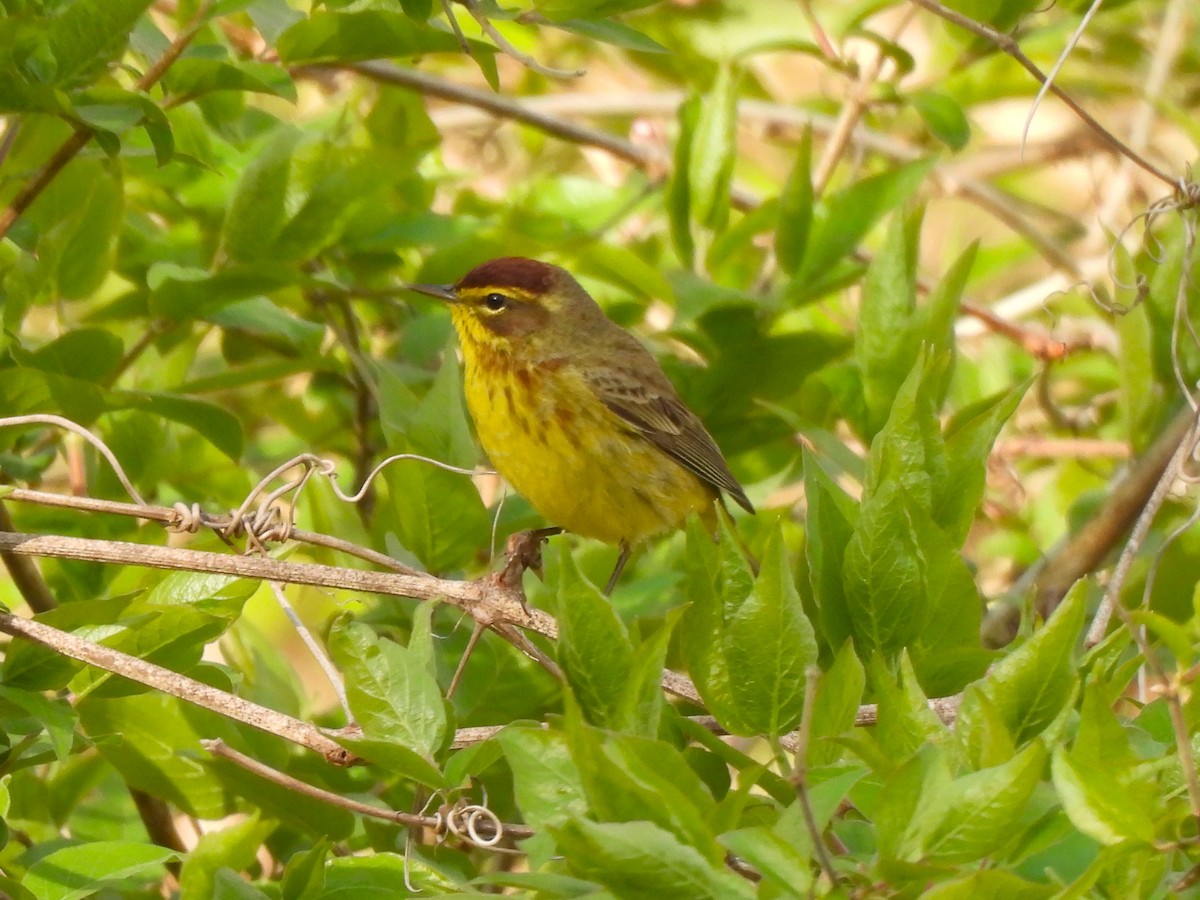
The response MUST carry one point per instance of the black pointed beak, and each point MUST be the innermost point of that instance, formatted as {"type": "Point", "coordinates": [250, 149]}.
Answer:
{"type": "Point", "coordinates": [444, 292]}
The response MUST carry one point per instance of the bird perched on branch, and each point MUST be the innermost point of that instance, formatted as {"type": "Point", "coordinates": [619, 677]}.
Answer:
{"type": "Point", "coordinates": [575, 413]}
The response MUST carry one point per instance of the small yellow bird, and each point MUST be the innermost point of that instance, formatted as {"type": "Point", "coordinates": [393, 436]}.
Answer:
{"type": "Point", "coordinates": [575, 413]}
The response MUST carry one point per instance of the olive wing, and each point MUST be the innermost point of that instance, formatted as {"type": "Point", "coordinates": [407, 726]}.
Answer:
{"type": "Point", "coordinates": [658, 414]}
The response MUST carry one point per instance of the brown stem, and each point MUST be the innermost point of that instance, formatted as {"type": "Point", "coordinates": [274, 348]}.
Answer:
{"type": "Point", "coordinates": [1009, 46]}
{"type": "Point", "coordinates": [25, 574]}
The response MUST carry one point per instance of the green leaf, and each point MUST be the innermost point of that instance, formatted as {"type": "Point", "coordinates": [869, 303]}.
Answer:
{"type": "Point", "coordinates": [895, 563]}
{"type": "Point", "coordinates": [640, 860]}
{"type": "Point", "coordinates": [628, 778]}
{"type": "Point", "coordinates": [392, 690]}
{"type": "Point", "coordinates": [546, 783]}
{"type": "Point", "coordinates": [770, 645]}
{"type": "Point", "coordinates": [747, 644]}
{"type": "Point", "coordinates": [710, 163]}
{"type": "Point", "coordinates": [905, 722]}
{"type": "Point", "coordinates": [593, 646]}
{"type": "Point", "coordinates": [55, 716]}
{"type": "Point", "coordinates": [257, 210]}
{"type": "Point", "coordinates": [87, 36]}
{"type": "Point", "coordinates": [969, 440]}
{"type": "Point", "coordinates": [835, 706]}
{"type": "Point", "coordinates": [944, 118]}
{"type": "Point", "coordinates": [304, 875]}
{"type": "Point", "coordinates": [1030, 686]}
{"type": "Point", "coordinates": [913, 804]}
{"type": "Point", "coordinates": [782, 863]}
{"type": "Point", "coordinates": [886, 346]}
{"type": "Point", "coordinates": [367, 34]}
{"type": "Point", "coordinates": [149, 732]}
{"type": "Point", "coordinates": [989, 884]}
{"type": "Point", "coordinates": [83, 870]}
{"type": "Point", "coordinates": [984, 808]}
{"type": "Point", "coordinates": [1103, 789]}
{"type": "Point", "coordinates": [438, 515]}
{"type": "Point", "coordinates": [194, 76]}
{"type": "Point", "coordinates": [843, 220]}
{"type": "Point", "coordinates": [832, 516]}
{"type": "Point", "coordinates": [234, 847]}
{"type": "Point", "coordinates": [796, 209]}
{"type": "Point", "coordinates": [679, 191]}
{"type": "Point", "coordinates": [617, 34]}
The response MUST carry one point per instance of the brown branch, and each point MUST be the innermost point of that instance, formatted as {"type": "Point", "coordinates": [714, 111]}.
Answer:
{"type": "Point", "coordinates": [494, 599]}
{"type": "Point", "coordinates": [24, 573]}
{"type": "Point", "coordinates": [84, 133]}
{"type": "Point", "coordinates": [1009, 46]}
{"type": "Point", "coordinates": [1086, 550]}
{"type": "Point", "coordinates": [176, 685]}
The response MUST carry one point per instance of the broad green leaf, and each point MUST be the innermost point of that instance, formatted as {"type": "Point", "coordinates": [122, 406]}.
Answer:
{"type": "Point", "coordinates": [747, 644]}
{"type": "Point", "coordinates": [546, 783]}
{"type": "Point", "coordinates": [989, 884]}
{"type": "Point", "coordinates": [366, 34]}
{"type": "Point", "coordinates": [796, 209]}
{"type": "Point", "coordinates": [909, 450]}
{"type": "Point", "coordinates": [896, 561]}
{"type": "Point", "coordinates": [55, 716]}
{"type": "Point", "coordinates": [905, 722]}
{"type": "Point", "coordinates": [640, 860]}
{"type": "Point", "coordinates": [843, 220]}
{"type": "Point", "coordinates": [608, 31]}
{"type": "Point", "coordinates": [91, 354]}
{"type": "Point", "coordinates": [85, 869]}
{"type": "Point", "coordinates": [258, 208]}
{"type": "Point", "coordinates": [832, 516]}
{"type": "Point", "coordinates": [627, 778]}
{"type": "Point", "coordinates": [943, 116]}
{"type": "Point", "coordinates": [1095, 806]}
{"type": "Point", "coordinates": [913, 804]}
{"type": "Point", "coordinates": [835, 706]}
{"type": "Point", "coordinates": [593, 646]}
{"type": "Point", "coordinates": [304, 875]}
{"type": "Point", "coordinates": [770, 645]}
{"type": "Point", "coordinates": [87, 35]}
{"type": "Point", "coordinates": [1102, 787]}
{"type": "Point", "coordinates": [969, 440]}
{"type": "Point", "coordinates": [392, 690]}
{"type": "Point", "coordinates": [781, 863]}
{"type": "Point", "coordinates": [149, 732]}
{"type": "Point", "coordinates": [1029, 687]}
{"type": "Point", "coordinates": [193, 76]}
{"type": "Point", "coordinates": [985, 807]}
{"type": "Point", "coordinates": [235, 846]}
{"type": "Point", "coordinates": [438, 515]}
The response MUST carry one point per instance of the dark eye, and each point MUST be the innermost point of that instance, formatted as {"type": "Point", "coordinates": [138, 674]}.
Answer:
{"type": "Point", "coordinates": [495, 302]}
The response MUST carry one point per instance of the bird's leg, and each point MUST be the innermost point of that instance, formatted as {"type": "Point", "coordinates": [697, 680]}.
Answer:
{"type": "Point", "coordinates": [626, 550]}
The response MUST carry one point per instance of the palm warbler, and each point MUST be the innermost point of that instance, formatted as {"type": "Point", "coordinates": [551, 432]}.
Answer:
{"type": "Point", "coordinates": [574, 412]}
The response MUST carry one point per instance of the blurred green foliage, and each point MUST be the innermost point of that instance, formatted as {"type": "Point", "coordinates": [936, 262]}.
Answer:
{"type": "Point", "coordinates": [210, 210]}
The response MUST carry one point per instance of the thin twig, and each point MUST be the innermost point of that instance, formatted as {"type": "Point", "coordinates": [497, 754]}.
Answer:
{"type": "Point", "coordinates": [1112, 594]}
{"type": "Point", "coordinates": [25, 575]}
{"type": "Point", "coordinates": [439, 824]}
{"type": "Point", "coordinates": [1045, 86]}
{"type": "Point", "coordinates": [318, 652]}
{"type": "Point", "coordinates": [852, 111]}
{"type": "Point", "coordinates": [508, 49]}
{"type": "Point", "coordinates": [799, 777]}
{"type": "Point", "coordinates": [1009, 46]}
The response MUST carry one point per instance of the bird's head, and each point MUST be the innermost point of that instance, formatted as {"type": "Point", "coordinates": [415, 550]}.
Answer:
{"type": "Point", "coordinates": [516, 303]}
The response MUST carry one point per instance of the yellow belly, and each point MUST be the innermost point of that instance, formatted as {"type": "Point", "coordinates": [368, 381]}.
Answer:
{"type": "Point", "coordinates": [575, 461]}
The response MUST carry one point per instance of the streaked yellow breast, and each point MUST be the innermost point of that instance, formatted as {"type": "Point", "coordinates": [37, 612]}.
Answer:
{"type": "Point", "coordinates": [571, 457]}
